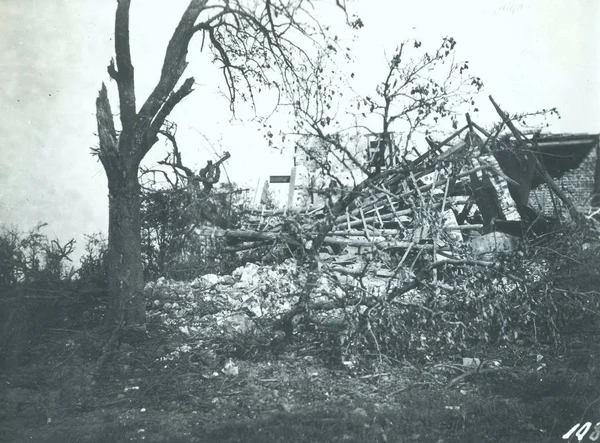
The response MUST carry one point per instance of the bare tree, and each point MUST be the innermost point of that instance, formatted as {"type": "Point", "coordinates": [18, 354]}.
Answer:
{"type": "Point", "coordinates": [418, 91]}
{"type": "Point", "coordinates": [254, 42]}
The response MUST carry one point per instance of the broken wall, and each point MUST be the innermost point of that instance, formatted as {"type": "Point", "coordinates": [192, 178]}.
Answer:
{"type": "Point", "coordinates": [578, 184]}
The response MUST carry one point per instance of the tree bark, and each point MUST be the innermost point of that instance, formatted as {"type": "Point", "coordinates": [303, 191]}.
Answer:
{"type": "Point", "coordinates": [124, 255]}
{"type": "Point", "coordinates": [125, 271]}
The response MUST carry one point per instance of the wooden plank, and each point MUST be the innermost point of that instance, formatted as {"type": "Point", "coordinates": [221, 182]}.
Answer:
{"type": "Point", "coordinates": [292, 189]}
{"type": "Point", "coordinates": [280, 178]}
{"type": "Point", "coordinates": [253, 235]}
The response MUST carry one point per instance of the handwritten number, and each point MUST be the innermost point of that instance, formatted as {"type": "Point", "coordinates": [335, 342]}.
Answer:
{"type": "Point", "coordinates": [596, 434]}
{"type": "Point", "coordinates": [580, 434]}
{"type": "Point", "coordinates": [583, 430]}
{"type": "Point", "coordinates": [568, 434]}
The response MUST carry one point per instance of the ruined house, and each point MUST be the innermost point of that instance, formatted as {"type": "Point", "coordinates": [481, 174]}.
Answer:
{"type": "Point", "coordinates": [471, 184]}
{"type": "Point", "coordinates": [573, 161]}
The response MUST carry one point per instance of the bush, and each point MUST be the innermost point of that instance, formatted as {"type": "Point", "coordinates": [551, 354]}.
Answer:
{"type": "Point", "coordinates": [170, 246]}
{"type": "Point", "coordinates": [33, 257]}
{"type": "Point", "coordinates": [93, 267]}
{"type": "Point", "coordinates": [36, 288]}
{"type": "Point", "coordinates": [534, 297]}
{"type": "Point", "coordinates": [11, 258]}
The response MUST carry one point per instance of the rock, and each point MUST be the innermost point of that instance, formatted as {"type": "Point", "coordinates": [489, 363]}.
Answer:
{"type": "Point", "coordinates": [471, 362]}
{"type": "Point", "coordinates": [205, 281]}
{"type": "Point", "coordinates": [238, 323]}
{"type": "Point", "coordinates": [287, 408]}
{"type": "Point", "coordinates": [209, 279]}
{"type": "Point", "coordinates": [375, 283]}
{"type": "Point", "coordinates": [226, 280]}
{"type": "Point", "coordinates": [489, 244]}
{"type": "Point", "coordinates": [360, 414]}
{"type": "Point", "coordinates": [240, 285]}
{"type": "Point", "coordinates": [231, 369]}
{"type": "Point", "coordinates": [246, 273]}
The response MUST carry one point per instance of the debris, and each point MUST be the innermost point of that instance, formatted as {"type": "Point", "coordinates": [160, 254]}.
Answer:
{"type": "Point", "coordinates": [231, 369]}
{"type": "Point", "coordinates": [471, 362]}
{"type": "Point", "coordinates": [488, 245]}
{"type": "Point", "coordinates": [238, 323]}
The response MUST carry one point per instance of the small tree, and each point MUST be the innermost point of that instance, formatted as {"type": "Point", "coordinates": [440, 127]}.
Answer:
{"type": "Point", "coordinates": [170, 216]}
{"type": "Point", "coordinates": [253, 42]}
{"type": "Point", "coordinates": [418, 90]}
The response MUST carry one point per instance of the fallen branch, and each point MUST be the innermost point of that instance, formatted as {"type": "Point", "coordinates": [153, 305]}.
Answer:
{"type": "Point", "coordinates": [455, 380]}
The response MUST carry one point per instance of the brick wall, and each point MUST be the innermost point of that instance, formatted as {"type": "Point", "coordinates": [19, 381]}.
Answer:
{"type": "Point", "coordinates": [577, 184]}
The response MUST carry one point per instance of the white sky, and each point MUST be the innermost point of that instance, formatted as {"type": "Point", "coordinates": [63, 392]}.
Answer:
{"type": "Point", "coordinates": [531, 54]}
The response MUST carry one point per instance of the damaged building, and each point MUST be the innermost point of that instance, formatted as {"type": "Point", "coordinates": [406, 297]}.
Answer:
{"type": "Point", "coordinates": [359, 193]}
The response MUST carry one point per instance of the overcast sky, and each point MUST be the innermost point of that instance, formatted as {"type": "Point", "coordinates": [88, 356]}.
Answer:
{"type": "Point", "coordinates": [531, 54]}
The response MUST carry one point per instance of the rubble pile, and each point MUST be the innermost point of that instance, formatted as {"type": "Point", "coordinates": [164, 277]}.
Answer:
{"type": "Point", "coordinates": [389, 239]}
{"type": "Point", "coordinates": [227, 304]}
{"type": "Point", "coordinates": [474, 183]}
{"type": "Point", "coordinates": [213, 305]}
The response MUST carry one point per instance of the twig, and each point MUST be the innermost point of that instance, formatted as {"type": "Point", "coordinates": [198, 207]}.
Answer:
{"type": "Point", "coordinates": [375, 375]}
{"type": "Point", "coordinates": [108, 346]}
{"type": "Point", "coordinates": [477, 371]}
{"type": "Point", "coordinates": [65, 360]}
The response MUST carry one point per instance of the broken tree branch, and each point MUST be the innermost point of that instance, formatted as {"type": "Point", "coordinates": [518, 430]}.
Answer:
{"type": "Point", "coordinates": [124, 75]}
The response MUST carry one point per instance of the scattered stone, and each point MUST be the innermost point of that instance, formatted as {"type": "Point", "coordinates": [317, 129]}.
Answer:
{"type": "Point", "coordinates": [231, 369]}
{"type": "Point", "coordinates": [486, 246]}
{"type": "Point", "coordinates": [471, 362]}
{"type": "Point", "coordinates": [246, 273]}
{"type": "Point", "coordinates": [238, 323]}
{"type": "Point", "coordinates": [226, 280]}
{"type": "Point", "coordinates": [360, 414]}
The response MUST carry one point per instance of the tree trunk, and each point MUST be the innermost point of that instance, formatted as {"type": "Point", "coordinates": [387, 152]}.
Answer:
{"type": "Point", "coordinates": [124, 255]}
{"type": "Point", "coordinates": [125, 270]}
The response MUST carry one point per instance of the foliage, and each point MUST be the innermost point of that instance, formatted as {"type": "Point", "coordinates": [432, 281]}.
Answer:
{"type": "Point", "coordinates": [420, 90]}
{"type": "Point", "coordinates": [534, 297]}
{"type": "Point", "coordinates": [33, 257]}
{"type": "Point", "coordinates": [39, 289]}
{"type": "Point", "coordinates": [170, 246]}
{"type": "Point", "coordinates": [10, 258]}
{"type": "Point", "coordinates": [93, 264]}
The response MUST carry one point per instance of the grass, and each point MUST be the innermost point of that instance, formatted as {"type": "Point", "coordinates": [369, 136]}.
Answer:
{"type": "Point", "coordinates": [49, 395]}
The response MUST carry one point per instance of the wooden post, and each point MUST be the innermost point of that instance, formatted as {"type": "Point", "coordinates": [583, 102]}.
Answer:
{"type": "Point", "coordinates": [292, 190]}
{"type": "Point", "coordinates": [523, 141]}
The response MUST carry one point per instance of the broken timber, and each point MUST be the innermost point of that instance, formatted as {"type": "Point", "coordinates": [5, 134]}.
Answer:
{"type": "Point", "coordinates": [410, 205]}
{"type": "Point", "coordinates": [240, 234]}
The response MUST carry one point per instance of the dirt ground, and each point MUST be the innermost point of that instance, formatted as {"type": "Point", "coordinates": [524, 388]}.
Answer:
{"type": "Point", "coordinates": [291, 390]}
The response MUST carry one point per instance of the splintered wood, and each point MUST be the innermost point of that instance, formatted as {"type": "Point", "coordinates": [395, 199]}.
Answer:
{"type": "Point", "coordinates": [433, 202]}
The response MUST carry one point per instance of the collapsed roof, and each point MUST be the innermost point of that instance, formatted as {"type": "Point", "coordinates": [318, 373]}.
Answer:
{"type": "Point", "coordinates": [432, 202]}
